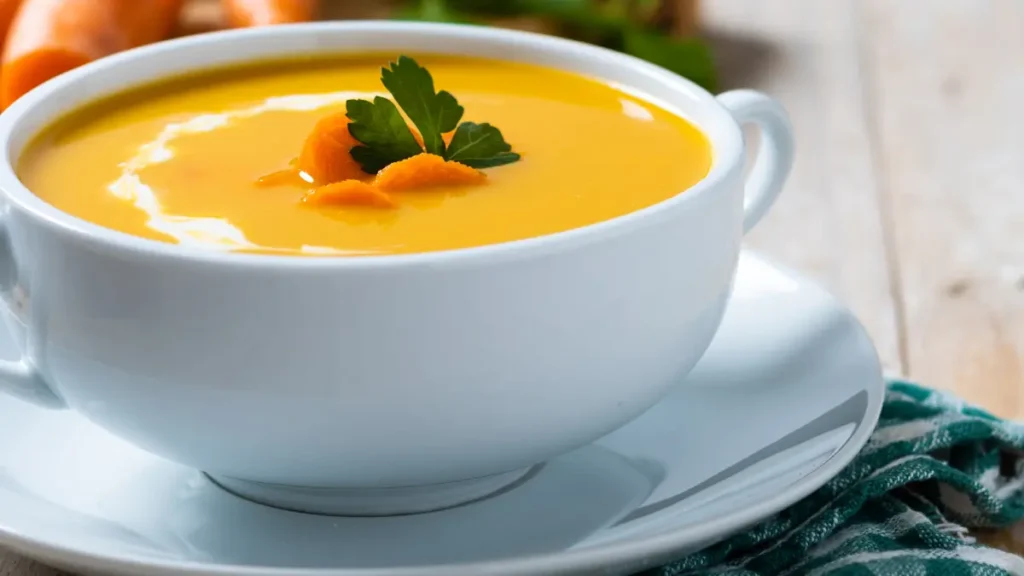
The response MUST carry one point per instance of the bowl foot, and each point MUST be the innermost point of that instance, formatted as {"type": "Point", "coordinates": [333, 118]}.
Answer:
{"type": "Point", "coordinates": [371, 501]}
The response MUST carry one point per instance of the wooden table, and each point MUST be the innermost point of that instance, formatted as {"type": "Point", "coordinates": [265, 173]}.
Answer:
{"type": "Point", "coordinates": [907, 198]}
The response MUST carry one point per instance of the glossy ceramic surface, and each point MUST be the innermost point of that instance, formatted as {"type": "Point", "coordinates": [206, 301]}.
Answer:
{"type": "Point", "coordinates": [378, 372]}
{"type": "Point", "coordinates": [787, 394]}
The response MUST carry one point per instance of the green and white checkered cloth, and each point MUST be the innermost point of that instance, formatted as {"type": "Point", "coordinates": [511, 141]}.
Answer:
{"type": "Point", "coordinates": [933, 469]}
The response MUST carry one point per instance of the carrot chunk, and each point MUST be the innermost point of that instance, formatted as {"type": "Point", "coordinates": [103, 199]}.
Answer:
{"type": "Point", "coordinates": [326, 153]}
{"type": "Point", "coordinates": [8, 8]}
{"type": "Point", "coordinates": [425, 170]}
{"type": "Point", "coordinates": [246, 13]}
{"type": "Point", "coordinates": [50, 37]}
{"type": "Point", "coordinates": [349, 193]}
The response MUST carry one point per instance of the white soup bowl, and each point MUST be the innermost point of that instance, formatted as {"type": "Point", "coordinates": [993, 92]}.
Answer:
{"type": "Point", "coordinates": [381, 384]}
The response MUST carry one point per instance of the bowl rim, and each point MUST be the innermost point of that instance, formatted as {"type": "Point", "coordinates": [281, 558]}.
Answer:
{"type": "Point", "coordinates": [726, 147]}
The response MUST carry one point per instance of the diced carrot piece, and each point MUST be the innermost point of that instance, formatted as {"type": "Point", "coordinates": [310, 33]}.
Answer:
{"type": "Point", "coordinates": [246, 13]}
{"type": "Point", "coordinates": [349, 193]}
{"type": "Point", "coordinates": [50, 37]}
{"type": "Point", "coordinates": [326, 153]}
{"type": "Point", "coordinates": [425, 170]}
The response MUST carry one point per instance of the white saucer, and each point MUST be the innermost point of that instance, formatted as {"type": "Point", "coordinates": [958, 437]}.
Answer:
{"type": "Point", "coordinates": [786, 396]}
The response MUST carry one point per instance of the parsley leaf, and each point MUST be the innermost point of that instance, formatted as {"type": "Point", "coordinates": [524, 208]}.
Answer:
{"type": "Point", "coordinates": [480, 146]}
{"type": "Point", "coordinates": [385, 136]}
{"type": "Point", "coordinates": [433, 113]}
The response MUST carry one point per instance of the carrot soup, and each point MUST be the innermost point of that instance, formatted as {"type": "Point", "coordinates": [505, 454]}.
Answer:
{"type": "Point", "coordinates": [332, 156]}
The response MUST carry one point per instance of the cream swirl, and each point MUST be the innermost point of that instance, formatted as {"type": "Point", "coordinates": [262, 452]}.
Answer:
{"type": "Point", "coordinates": [207, 232]}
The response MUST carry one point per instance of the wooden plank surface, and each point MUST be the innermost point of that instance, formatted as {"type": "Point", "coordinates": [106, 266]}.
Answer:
{"type": "Point", "coordinates": [906, 198]}
{"type": "Point", "coordinates": [827, 222]}
{"type": "Point", "coordinates": [12, 565]}
{"type": "Point", "coordinates": [948, 92]}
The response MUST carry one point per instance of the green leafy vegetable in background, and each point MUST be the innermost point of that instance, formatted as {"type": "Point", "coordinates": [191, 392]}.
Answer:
{"type": "Point", "coordinates": [386, 138]}
{"type": "Point", "coordinates": [687, 57]}
{"type": "Point", "coordinates": [432, 11]}
{"type": "Point", "coordinates": [635, 27]}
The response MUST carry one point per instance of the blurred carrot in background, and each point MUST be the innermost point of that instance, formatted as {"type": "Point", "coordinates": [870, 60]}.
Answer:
{"type": "Point", "coordinates": [49, 37]}
{"type": "Point", "coordinates": [245, 13]}
{"type": "Point", "coordinates": [45, 38]}
{"type": "Point", "coordinates": [8, 8]}
{"type": "Point", "coordinates": [7, 11]}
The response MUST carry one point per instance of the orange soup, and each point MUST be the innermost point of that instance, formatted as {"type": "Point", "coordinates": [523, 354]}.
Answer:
{"type": "Point", "coordinates": [182, 161]}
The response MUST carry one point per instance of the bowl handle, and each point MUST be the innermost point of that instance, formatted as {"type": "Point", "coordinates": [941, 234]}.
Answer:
{"type": "Point", "coordinates": [775, 156]}
{"type": "Point", "coordinates": [20, 378]}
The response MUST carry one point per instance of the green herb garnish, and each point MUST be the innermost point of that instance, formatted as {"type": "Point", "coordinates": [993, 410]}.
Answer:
{"type": "Point", "coordinates": [386, 138]}
{"type": "Point", "coordinates": [480, 146]}
{"type": "Point", "coordinates": [383, 132]}
{"type": "Point", "coordinates": [433, 113]}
